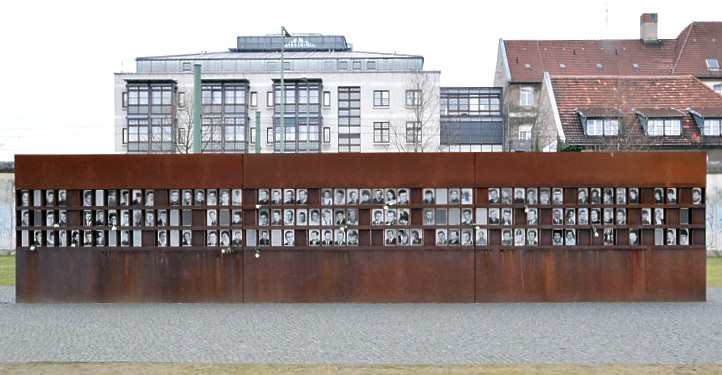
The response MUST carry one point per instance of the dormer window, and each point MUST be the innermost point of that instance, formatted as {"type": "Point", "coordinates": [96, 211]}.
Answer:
{"type": "Point", "coordinates": [708, 120]}
{"type": "Point", "coordinates": [600, 122]}
{"type": "Point", "coordinates": [712, 65]}
{"type": "Point", "coordinates": [657, 127]}
{"type": "Point", "coordinates": [635, 66]}
{"type": "Point", "coordinates": [563, 66]}
{"type": "Point", "coordinates": [600, 66]}
{"type": "Point", "coordinates": [712, 127]}
{"type": "Point", "coordinates": [528, 66]}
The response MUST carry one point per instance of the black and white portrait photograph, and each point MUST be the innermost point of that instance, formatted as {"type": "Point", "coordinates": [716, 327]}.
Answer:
{"type": "Point", "coordinates": [506, 196]}
{"type": "Point", "coordinates": [75, 238]}
{"type": "Point", "coordinates": [608, 195]}
{"type": "Point", "coordinates": [263, 196]}
{"type": "Point", "coordinates": [162, 219]}
{"type": "Point", "coordinates": [326, 217]}
{"type": "Point", "coordinates": [467, 237]}
{"type": "Point", "coordinates": [671, 238]}
{"type": "Point", "coordinates": [390, 217]}
{"type": "Point", "coordinates": [314, 237]}
{"type": "Point", "coordinates": [583, 216]}
{"type": "Point", "coordinates": [339, 217]}
{"type": "Point", "coordinates": [532, 216]}
{"type": "Point", "coordinates": [390, 196]}
{"type": "Point", "coordinates": [149, 198]}
{"type": "Point", "coordinates": [63, 239]}
{"type": "Point", "coordinates": [173, 197]}
{"type": "Point", "coordinates": [390, 238]}
{"type": "Point", "coordinates": [467, 217]}
{"type": "Point", "coordinates": [570, 216]}
{"type": "Point", "coordinates": [63, 197]}
{"type": "Point", "coordinates": [211, 197]}
{"type": "Point", "coordinates": [453, 236]}
{"type": "Point", "coordinates": [595, 196]}
{"type": "Point", "coordinates": [289, 217]}
{"type": "Point", "coordinates": [454, 196]}
{"type": "Point", "coordinates": [63, 218]}
{"type": "Point", "coordinates": [558, 237]}
{"type": "Point", "coordinates": [570, 237]}
{"type": "Point", "coordinates": [441, 239]}
{"type": "Point", "coordinates": [646, 216]}
{"type": "Point", "coordinates": [237, 238]}
{"type": "Point", "coordinates": [264, 238]}
{"type": "Point", "coordinates": [100, 197]}
{"type": "Point", "coordinates": [137, 197]}
{"type": "Point", "coordinates": [276, 217]}
{"type": "Point", "coordinates": [327, 237]}
{"type": "Point", "coordinates": [428, 196]}
{"type": "Point", "coordinates": [339, 237]}
{"type": "Point", "coordinates": [87, 238]}
{"type": "Point", "coordinates": [276, 196]}
{"type": "Point", "coordinates": [608, 236]}
{"type": "Point", "coordinates": [352, 237]}
{"type": "Point", "coordinates": [224, 197]}
{"type": "Point", "coordinates": [658, 216]}
{"type": "Point", "coordinates": [545, 196]}
{"type": "Point", "coordinates": [212, 218]}
{"type": "Point", "coordinates": [339, 197]}
{"type": "Point", "coordinates": [236, 217]}
{"type": "Point", "coordinates": [125, 197]}
{"type": "Point", "coordinates": [199, 198]}
{"type": "Point", "coordinates": [289, 237]}
{"type": "Point", "coordinates": [301, 196]}
{"type": "Point", "coordinates": [352, 216]}
{"type": "Point", "coordinates": [50, 198]}
{"type": "Point", "coordinates": [124, 218]}
{"type": "Point", "coordinates": [87, 198]}
{"type": "Point", "coordinates": [557, 216]}
{"type": "Point", "coordinates": [212, 238]}
{"type": "Point", "coordinates": [532, 237]}
{"type": "Point", "coordinates": [481, 237]}
{"type": "Point", "coordinates": [519, 237]}
{"type": "Point", "coordinates": [417, 237]}
{"type": "Point", "coordinates": [582, 195]}
{"type": "Point", "coordinates": [236, 197]}
{"type": "Point", "coordinates": [608, 216]}
{"type": "Point", "coordinates": [519, 195]}
{"type": "Point", "coordinates": [124, 238]}
{"type": "Point", "coordinates": [149, 218]}
{"type": "Point", "coordinates": [50, 238]}
{"type": "Point", "coordinates": [314, 216]}
{"type": "Point", "coordinates": [301, 217]}
{"type": "Point", "coordinates": [365, 196]}
{"type": "Point", "coordinates": [684, 237]}
{"type": "Point", "coordinates": [88, 218]}
{"type": "Point", "coordinates": [99, 217]}
{"type": "Point", "coordinates": [532, 196]}
{"type": "Point", "coordinates": [162, 240]}
{"type": "Point", "coordinates": [187, 197]}
{"type": "Point", "coordinates": [557, 196]}
{"type": "Point", "coordinates": [672, 195]}
{"type": "Point", "coordinates": [494, 197]}
{"type": "Point", "coordinates": [289, 197]}
{"type": "Point", "coordinates": [25, 198]}
{"type": "Point", "coordinates": [378, 196]}
{"type": "Point", "coordinates": [326, 197]}
{"type": "Point", "coordinates": [621, 216]}
{"type": "Point", "coordinates": [467, 196]}
{"type": "Point", "coordinates": [659, 195]}
{"type": "Point", "coordinates": [696, 198]}
{"type": "Point", "coordinates": [621, 195]}
{"type": "Point", "coordinates": [507, 237]}
{"type": "Point", "coordinates": [428, 216]}
{"type": "Point", "coordinates": [507, 217]}
{"type": "Point", "coordinates": [352, 196]}
{"type": "Point", "coordinates": [494, 217]}
{"type": "Point", "coordinates": [263, 217]}
{"type": "Point", "coordinates": [225, 238]}
{"type": "Point", "coordinates": [25, 218]}
{"type": "Point", "coordinates": [402, 237]}
{"type": "Point", "coordinates": [633, 237]}
{"type": "Point", "coordinates": [403, 197]}
{"type": "Point", "coordinates": [50, 218]}
{"type": "Point", "coordinates": [633, 195]}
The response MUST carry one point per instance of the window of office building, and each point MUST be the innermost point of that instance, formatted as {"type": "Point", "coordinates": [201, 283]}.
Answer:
{"type": "Point", "coordinates": [326, 98]}
{"type": "Point", "coordinates": [224, 116]}
{"type": "Point", "coordinates": [413, 132]}
{"type": "Point", "coordinates": [349, 119]}
{"type": "Point", "coordinates": [413, 98]}
{"type": "Point", "coordinates": [150, 123]}
{"type": "Point", "coordinates": [381, 132]}
{"type": "Point", "coordinates": [302, 117]}
{"type": "Point", "coordinates": [381, 98]}
{"type": "Point", "coordinates": [526, 96]}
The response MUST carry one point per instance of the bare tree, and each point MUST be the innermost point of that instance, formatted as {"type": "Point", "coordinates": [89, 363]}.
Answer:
{"type": "Point", "coordinates": [422, 102]}
{"type": "Point", "coordinates": [184, 130]}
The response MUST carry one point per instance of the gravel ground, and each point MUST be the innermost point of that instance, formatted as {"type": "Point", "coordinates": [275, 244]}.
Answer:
{"type": "Point", "coordinates": [582, 333]}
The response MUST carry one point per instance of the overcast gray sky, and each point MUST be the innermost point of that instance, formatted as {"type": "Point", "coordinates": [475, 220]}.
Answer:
{"type": "Point", "coordinates": [59, 56]}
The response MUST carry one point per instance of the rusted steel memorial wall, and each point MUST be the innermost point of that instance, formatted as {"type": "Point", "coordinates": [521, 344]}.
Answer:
{"type": "Point", "coordinates": [452, 227]}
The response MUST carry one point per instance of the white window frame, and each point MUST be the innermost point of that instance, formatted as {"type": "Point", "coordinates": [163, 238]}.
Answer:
{"type": "Point", "coordinates": [526, 96]}
{"type": "Point", "coordinates": [712, 127]}
{"type": "Point", "coordinates": [382, 98]}
{"type": "Point", "coordinates": [712, 64]}
{"type": "Point", "coordinates": [525, 132]}
{"type": "Point", "coordinates": [327, 98]}
{"type": "Point", "coordinates": [269, 99]}
{"type": "Point", "coordinates": [413, 98]}
{"type": "Point", "coordinates": [254, 99]}
{"type": "Point", "coordinates": [663, 127]}
{"type": "Point", "coordinates": [717, 88]}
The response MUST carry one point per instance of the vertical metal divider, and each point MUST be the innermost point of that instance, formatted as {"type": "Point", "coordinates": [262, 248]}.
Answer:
{"type": "Point", "coordinates": [476, 251]}
{"type": "Point", "coordinates": [243, 225]}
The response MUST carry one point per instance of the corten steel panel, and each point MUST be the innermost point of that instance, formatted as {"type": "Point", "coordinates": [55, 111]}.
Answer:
{"type": "Point", "coordinates": [561, 169]}
{"type": "Point", "coordinates": [119, 171]}
{"type": "Point", "coordinates": [360, 170]}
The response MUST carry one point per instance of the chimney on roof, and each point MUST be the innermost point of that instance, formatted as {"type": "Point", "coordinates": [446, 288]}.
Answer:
{"type": "Point", "coordinates": [648, 28]}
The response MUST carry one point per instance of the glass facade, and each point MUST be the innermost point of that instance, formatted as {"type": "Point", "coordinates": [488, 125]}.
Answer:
{"type": "Point", "coordinates": [150, 122]}
{"type": "Point", "coordinates": [471, 116]}
{"type": "Point", "coordinates": [349, 119]}
{"type": "Point", "coordinates": [302, 117]}
{"type": "Point", "coordinates": [224, 116]}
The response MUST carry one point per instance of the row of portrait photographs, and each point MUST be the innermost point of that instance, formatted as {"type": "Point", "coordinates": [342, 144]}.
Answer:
{"type": "Point", "coordinates": [315, 237]}
{"type": "Point", "coordinates": [351, 197]}
{"type": "Point", "coordinates": [208, 197]}
{"type": "Point", "coordinates": [314, 216]}
{"type": "Point", "coordinates": [135, 218]}
{"type": "Point", "coordinates": [461, 236]}
{"type": "Point", "coordinates": [607, 196]}
{"type": "Point", "coordinates": [443, 196]}
{"type": "Point", "coordinates": [282, 196]}
{"type": "Point", "coordinates": [135, 197]}
{"type": "Point", "coordinates": [41, 198]}
{"type": "Point", "coordinates": [103, 238]}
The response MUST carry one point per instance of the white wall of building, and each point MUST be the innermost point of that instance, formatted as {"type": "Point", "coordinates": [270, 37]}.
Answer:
{"type": "Point", "coordinates": [7, 211]}
{"type": "Point", "coordinates": [397, 114]}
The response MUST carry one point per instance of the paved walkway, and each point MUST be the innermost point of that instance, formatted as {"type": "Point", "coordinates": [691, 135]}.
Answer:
{"type": "Point", "coordinates": [664, 333]}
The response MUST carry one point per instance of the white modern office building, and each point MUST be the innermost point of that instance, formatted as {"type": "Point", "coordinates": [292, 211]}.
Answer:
{"type": "Point", "coordinates": [337, 100]}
